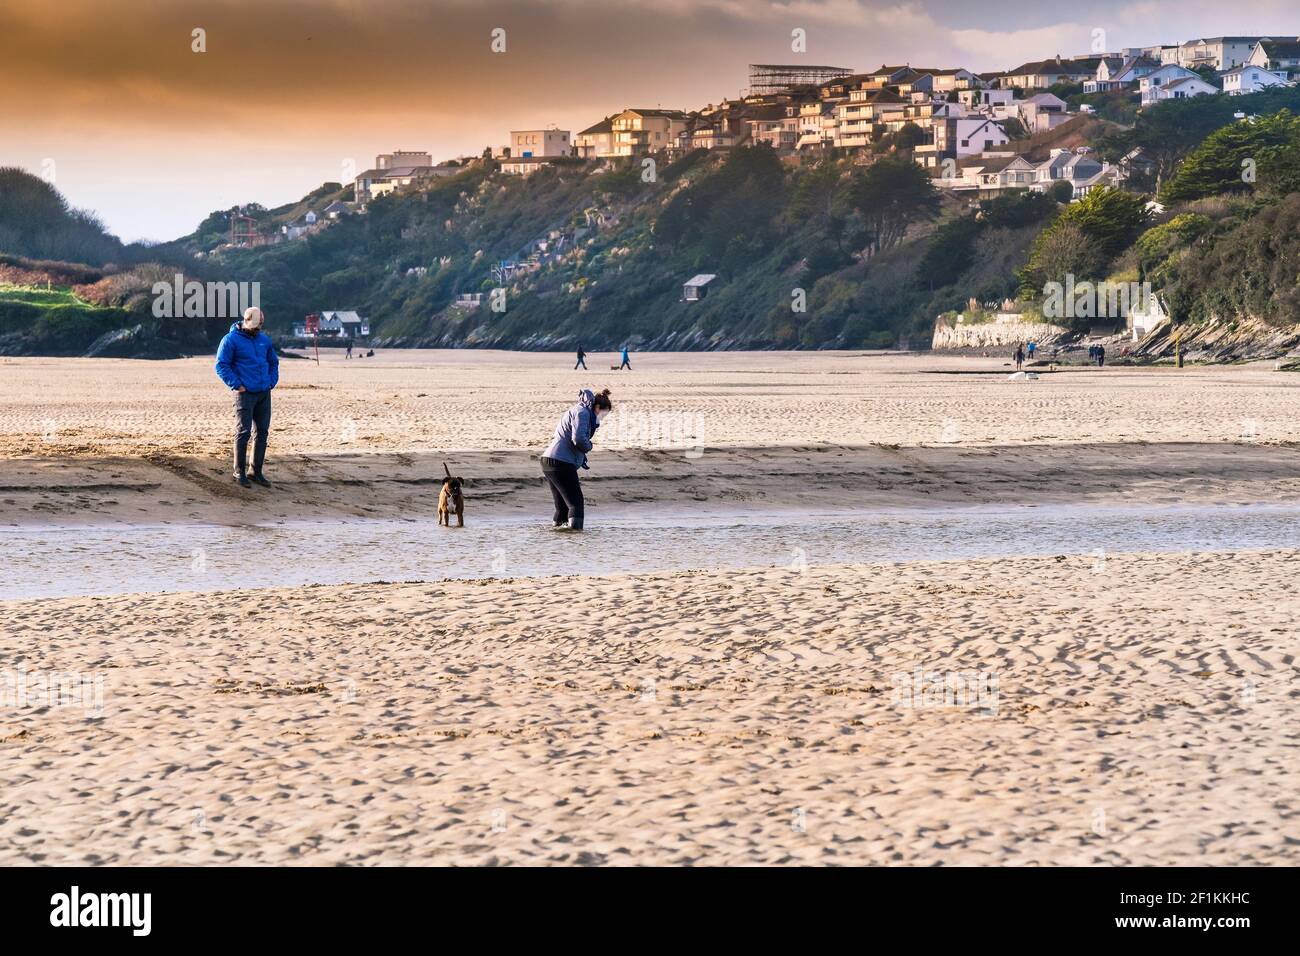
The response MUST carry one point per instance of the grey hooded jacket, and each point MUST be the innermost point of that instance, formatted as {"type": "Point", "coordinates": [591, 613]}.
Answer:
{"type": "Point", "coordinates": [573, 433]}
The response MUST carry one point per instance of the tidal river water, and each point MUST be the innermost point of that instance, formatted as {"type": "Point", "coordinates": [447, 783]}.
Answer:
{"type": "Point", "coordinates": [118, 559]}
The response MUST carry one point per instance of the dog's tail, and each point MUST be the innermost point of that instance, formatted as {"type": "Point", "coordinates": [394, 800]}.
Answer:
{"type": "Point", "coordinates": [446, 469]}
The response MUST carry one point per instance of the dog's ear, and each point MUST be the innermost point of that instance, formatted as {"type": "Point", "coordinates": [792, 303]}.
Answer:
{"type": "Point", "coordinates": [446, 469]}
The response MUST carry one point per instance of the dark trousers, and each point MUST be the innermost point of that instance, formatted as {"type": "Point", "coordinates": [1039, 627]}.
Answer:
{"type": "Point", "coordinates": [581, 364]}
{"type": "Point", "coordinates": [566, 489]}
{"type": "Point", "coordinates": [626, 365]}
{"type": "Point", "coordinates": [252, 411]}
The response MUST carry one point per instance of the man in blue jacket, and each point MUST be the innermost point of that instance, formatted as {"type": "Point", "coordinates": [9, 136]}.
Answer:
{"type": "Point", "coordinates": [247, 363]}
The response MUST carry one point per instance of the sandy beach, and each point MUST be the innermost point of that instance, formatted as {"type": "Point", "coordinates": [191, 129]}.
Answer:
{"type": "Point", "coordinates": [1092, 706]}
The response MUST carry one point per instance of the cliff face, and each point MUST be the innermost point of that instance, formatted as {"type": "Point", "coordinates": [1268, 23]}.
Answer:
{"type": "Point", "coordinates": [1242, 339]}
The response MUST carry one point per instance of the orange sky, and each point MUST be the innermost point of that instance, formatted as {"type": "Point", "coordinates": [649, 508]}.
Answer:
{"type": "Point", "coordinates": [110, 97]}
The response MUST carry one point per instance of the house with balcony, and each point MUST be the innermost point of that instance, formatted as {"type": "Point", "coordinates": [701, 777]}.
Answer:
{"type": "Point", "coordinates": [923, 114]}
{"type": "Point", "coordinates": [637, 132]}
{"type": "Point", "coordinates": [778, 128]}
{"type": "Point", "coordinates": [817, 125]}
{"type": "Point", "coordinates": [597, 141]}
{"type": "Point", "coordinates": [860, 118]}
{"type": "Point", "coordinates": [386, 178]}
{"type": "Point", "coordinates": [1217, 53]}
{"type": "Point", "coordinates": [722, 128]}
{"type": "Point", "coordinates": [959, 137]}
{"type": "Point", "coordinates": [1281, 56]}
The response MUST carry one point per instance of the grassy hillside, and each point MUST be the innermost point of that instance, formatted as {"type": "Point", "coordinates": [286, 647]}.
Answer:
{"type": "Point", "coordinates": [54, 322]}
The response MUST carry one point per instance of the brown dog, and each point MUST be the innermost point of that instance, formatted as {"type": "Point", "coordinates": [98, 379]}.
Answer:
{"type": "Point", "coordinates": [450, 499]}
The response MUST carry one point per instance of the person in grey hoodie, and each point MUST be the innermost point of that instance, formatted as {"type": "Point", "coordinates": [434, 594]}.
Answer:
{"type": "Point", "coordinates": [568, 452]}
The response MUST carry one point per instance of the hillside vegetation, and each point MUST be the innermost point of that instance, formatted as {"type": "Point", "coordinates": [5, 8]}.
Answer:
{"type": "Point", "coordinates": [819, 253]}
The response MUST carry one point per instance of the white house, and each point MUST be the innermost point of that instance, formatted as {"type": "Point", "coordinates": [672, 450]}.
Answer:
{"type": "Point", "coordinates": [596, 142]}
{"type": "Point", "coordinates": [984, 99]}
{"type": "Point", "coordinates": [1042, 112]}
{"type": "Point", "coordinates": [957, 137]}
{"type": "Point", "coordinates": [1115, 73]}
{"type": "Point", "coordinates": [540, 142]}
{"type": "Point", "coordinates": [1250, 79]}
{"type": "Point", "coordinates": [943, 82]}
{"type": "Point", "coordinates": [342, 325]}
{"type": "Point", "coordinates": [1185, 88]}
{"type": "Point", "coordinates": [1218, 53]}
{"type": "Point", "coordinates": [525, 165]}
{"type": "Point", "coordinates": [1154, 82]}
{"type": "Point", "coordinates": [1277, 56]}
{"type": "Point", "coordinates": [1145, 316]}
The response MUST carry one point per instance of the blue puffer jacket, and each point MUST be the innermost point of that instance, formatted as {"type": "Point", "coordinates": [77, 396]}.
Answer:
{"type": "Point", "coordinates": [248, 359]}
{"type": "Point", "coordinates": [573, 434]}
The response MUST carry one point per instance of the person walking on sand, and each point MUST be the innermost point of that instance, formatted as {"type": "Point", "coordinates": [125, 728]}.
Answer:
{"type": "Point", "coordinates": [348, 354]}
{"type": "Point", "coordinates": [568, 452]}
{"type": "Point", "coordinates": [582, 359]}
{"type": "Point", "coordinates": [247, 363]}
{"type": "Point", "coordinates": [625, 363]}
{"type": "Point", "coordinates": [1101, 356]}
{"type": "Point", "coordinates": [1029, 350]}
{"type": "Point", "coordinates": [1020, 356]}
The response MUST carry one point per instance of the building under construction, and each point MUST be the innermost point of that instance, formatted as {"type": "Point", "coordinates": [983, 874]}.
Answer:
{"type": "Point", "coordinates": [772, 78]}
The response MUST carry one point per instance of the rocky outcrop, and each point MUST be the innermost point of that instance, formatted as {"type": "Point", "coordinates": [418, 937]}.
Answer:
{"type": "Point", "coordinates": [1220, 341]}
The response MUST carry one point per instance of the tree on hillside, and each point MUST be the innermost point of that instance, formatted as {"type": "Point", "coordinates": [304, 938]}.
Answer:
{"type": "Point", "coordinates": [728, 213]}
{"type": "Point", "coordinates": [1060, 251]}
{"type": "Point", "coordinates": [36, 221]}
{"type": "Point", "coordinates": [1158, 247]}
{"type": "Point", "coordinates": [1170, 130]}
{"type": "Point", "coordinates": [1084, 239]}
{"type": "Point", "coordinates": [817, 200]}
{"type": "Point", "coordinates": [892, 194]}
{"type": "Point", "coordinates": [1229, 159]}
{"type": "Point", "coordinates": [1109, 217]}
